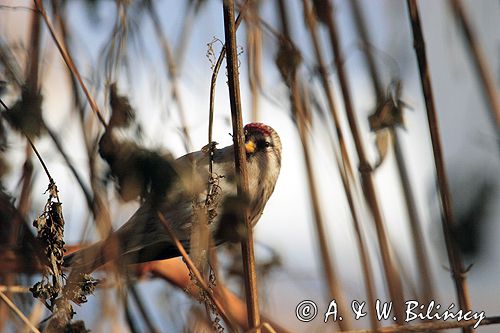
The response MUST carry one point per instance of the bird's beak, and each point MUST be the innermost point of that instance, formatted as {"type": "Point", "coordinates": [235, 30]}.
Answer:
{"type": "Point", "coordinates": [250, 146]}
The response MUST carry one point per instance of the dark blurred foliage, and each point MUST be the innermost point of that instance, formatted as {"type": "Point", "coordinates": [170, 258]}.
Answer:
{"type": "Point", "coordinates": [16, 239]}
{"type": "Point", "coordinates": [471, 219]}
{"type": "Point", "coordinates": [26, 114]}
{"type": "Point", "coordinates": [137, 171]}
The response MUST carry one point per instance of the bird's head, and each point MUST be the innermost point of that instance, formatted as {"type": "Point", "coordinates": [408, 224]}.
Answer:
{"type": "Point", "coordinates": [263, 148]}
{"type": "Point", "coordinates": [262, 140]}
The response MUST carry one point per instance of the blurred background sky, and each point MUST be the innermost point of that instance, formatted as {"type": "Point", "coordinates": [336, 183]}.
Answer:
{"type": "Point", "coordinates": [468, 137]}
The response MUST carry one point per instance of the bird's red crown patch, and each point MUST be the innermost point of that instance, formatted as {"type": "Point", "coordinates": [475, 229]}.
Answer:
{"type": "Point", "coordinates": [259, 127]}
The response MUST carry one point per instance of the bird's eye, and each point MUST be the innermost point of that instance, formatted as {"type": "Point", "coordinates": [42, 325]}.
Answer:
{"type": "Point", "coordinates": [267, 144]}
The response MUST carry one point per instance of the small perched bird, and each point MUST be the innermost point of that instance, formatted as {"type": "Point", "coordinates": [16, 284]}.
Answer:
{"type": "Point", "coordinates": [143, 237]}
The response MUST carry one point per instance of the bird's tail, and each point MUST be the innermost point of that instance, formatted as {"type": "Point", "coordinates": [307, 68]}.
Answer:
{"type": "Point", "coordinates": [86, 260]}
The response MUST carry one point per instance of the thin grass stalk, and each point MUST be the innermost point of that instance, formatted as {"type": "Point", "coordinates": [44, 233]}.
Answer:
{"type": "Point", "coordinates": [457, 269]}
{"type": "Point", "coordinates": [18, 312]}
{"type": "Point", "coordinates": [426, 288]}
{"type": "Point", "coordinates": [299, 113]}
{"type": "Point", "coordinates": [247, 246]}
{"type": "Point", "coordinates": [481, 64]}
{"type": "Point", "coordinates": [196, 273]}
{"type": "Point", "coordinates": [344, 165]}
{"type": "Point", "coordinates": [172, 72]}
{"type": "Point", "coordinates": [392, 276]}
{"type": "Point", "coordinates": [69, 61]}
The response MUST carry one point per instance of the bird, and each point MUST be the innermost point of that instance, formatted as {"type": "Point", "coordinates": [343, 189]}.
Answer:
{"type": "Point", "coordinates": [143, 237]}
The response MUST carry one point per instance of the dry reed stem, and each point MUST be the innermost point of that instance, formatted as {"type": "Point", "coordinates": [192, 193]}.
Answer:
{"type": "Point", "coordinates": [393, 279]}
{"type": "Point", "coordinates": [213, 81]}
{"type": "Point", "coordinates": [344, 165]}
{"type": "Point", "coordinates": [199, 278]}
{"type": "Point", "coordinates": [458, 272]}
{"type": "Point", "coordinates": [418, 240]}
{"type": "Point", "coordinates": [18, 312]}
{"type": "Point", "coordinates": [247, 246]}
{"type": "Point", "coordinates": [299, 113]}
{"type": "Point", "coordinates": [480, 62]}
{"type": "Point", "coordinates": [69, 61]}
{"type": "Point", "coordinates": [15, 289]}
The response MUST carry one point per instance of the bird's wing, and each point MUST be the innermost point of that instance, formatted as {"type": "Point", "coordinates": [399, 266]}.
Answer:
{"type": "Point", "coordinates": [144, 230]}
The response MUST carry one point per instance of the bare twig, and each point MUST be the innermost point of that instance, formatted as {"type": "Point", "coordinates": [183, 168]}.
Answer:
{"type": "Point", "coordinates": [250, 275]}
{"type": "Point", "coordinates": [443, 189]}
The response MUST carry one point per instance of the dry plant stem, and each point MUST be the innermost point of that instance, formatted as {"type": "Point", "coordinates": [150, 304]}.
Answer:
{"type": "Point", "coordinates": [426, 284]}
{"type": "Point", "coordinates": [432, 326]}
{"type": "Point", "coordinates": [34, 148]}
{"type": "Point", "coordinates": [456, 264]}
{"type": "Point", "coordinates": [15, 289]}
{"type": "Point", "coordinates": [199, 278]}
{"type": "Point", "coordinates": [344, 165]}
{"type": "Point", "coordinates": [363, 32]}
{"type": "Point", "coordinates": [334, 290]}
{"type": "Point", "coordinates": [69, 61]}
{"type": "Point", "coordinates": [393, 279]}
{"type": "Point", "coordinates": [18, 312]}
{"type": "Point", "coordinates": [484, 73]}
{"type": "Point", "coordinates": [213, 83]}
{"type": "Point", "coordinates": [250, 275]}
{"type": "Point", "coordinates": [172, 71]}
{"type": "Point", "coordinates": [426, 289]}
